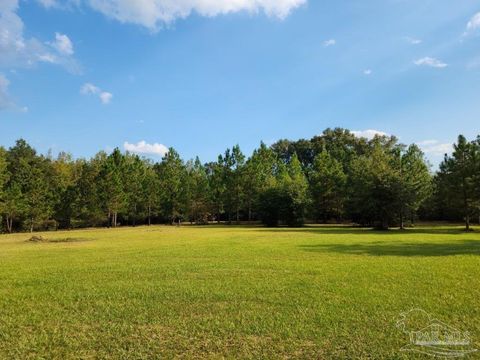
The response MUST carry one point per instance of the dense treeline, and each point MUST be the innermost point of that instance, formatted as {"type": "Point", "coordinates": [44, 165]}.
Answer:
{"type": "Point", "coordinates": [332, 177]}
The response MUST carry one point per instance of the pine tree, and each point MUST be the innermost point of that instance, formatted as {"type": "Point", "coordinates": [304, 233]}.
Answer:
{"type": "Point", "coordinates": [171, 175]}
{"type": "Point", "coordinates": [328, 182]}
{"type": "Point", "coordinates": [112, 188]}
{"type": "Point", "coordinates": [459, 174]}
{"type": "Point", "coordinates": [415, 182]}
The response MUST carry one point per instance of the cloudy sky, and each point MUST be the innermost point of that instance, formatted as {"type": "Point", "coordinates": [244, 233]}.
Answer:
{"type": "Point", "coordinates": [86, 75]}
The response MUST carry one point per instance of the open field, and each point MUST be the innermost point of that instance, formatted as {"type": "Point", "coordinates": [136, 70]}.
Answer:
{"type": "Point", "coordinates": [233, 292]}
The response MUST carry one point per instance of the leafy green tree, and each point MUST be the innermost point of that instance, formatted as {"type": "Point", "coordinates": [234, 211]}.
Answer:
{"type": "Point", "coordinates": [13, 205]}
{"type": "Point", "coordinates": [171, 173]}
{"type": "Point", "coordinates": [112, 188]}
{"type": "Point", "coordinates": [218, 186]}
{"type": "Point", "coordinates": [415, 182]}
{"type": "Point", "coordinates": [133, 178]}
{"type": "Point", "coordinates": [151, 192]}
{"type": "Point", "coordinates": [328, 182]}
{"type": "Point", "coordinates": [341, 144]}
{"type": "Point", "coordinates": [235, 185]}
{"type": "Point", "coordinates": [458, 175]}
{"type": "Point", "coordinates": [258, 175]}
{"type": "Point", "coordinates": [296, 188]}
{"type": "Point", "coordinates": [3, 180]}
{"type": "Point", "coordinates": [89, 202]}
{"type": "Point", "coordinates": [286, 199]}
{"type": "Point", "coordinates": [28, 180]}
{"type": "Point", "coordinates": [199, 209]}
{"type": "Point", "coordinates": [233, 164]}
{"type": "Point", "coordinates": [375, 188]}
{"type": "Point", "coordinates": [63, 175]}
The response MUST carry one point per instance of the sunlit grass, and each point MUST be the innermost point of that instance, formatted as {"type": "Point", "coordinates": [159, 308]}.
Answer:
{"type": "Point", "coordinates": [234, 292]}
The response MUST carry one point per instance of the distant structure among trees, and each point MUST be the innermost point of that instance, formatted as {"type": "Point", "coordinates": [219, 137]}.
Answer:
{"type": "Point", "coordinates": [333, 177]}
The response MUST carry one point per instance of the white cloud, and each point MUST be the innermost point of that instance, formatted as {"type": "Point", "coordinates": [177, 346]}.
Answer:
{"type": "Point", "coordinates": [367, 72]}
{"type": "Point", "coordinates": [329, 42]}
{"type": "Point", "coordinates": [412, 41]}
{"type": "Point", "coordinates": [432, 62]}
{"type": "Point", "coordinates": [17, 51]}
{"type": "Point", "coordinates": [155, 13]}
{"type": "Point", "coordinates": [152, 13]}
{"type": "Point", "coordinates": [105, 97]}
{"type": "Point", "coordinates": [369, 134]}
{"type": "Point", "coordinates": [63, 44]}
{"type": "Point", "coordinates": [143, 147]}
{"type": "Point", "coordinates": [473, 25]}
{"type": "Point", "coordinates": [90, 89]}
{"type": "Point", "coordinates": [5, 101]}
{"type": "Point", "coordinates": [48, 3]}
{"type": "Point", "coordinates": [435, 147]}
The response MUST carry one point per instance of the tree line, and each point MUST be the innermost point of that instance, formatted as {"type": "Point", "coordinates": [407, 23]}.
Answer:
{"type": "Point", "coordinates": [333, 177]}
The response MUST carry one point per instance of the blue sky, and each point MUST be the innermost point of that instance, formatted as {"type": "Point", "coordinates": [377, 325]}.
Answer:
{"type": "Point", "coordinates": [201, 76]}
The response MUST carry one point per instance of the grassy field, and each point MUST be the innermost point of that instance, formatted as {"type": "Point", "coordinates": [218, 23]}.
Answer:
{"type": "Point", "coordinates": [232, 292]}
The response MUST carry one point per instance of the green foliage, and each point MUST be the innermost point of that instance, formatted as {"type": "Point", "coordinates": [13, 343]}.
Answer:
{"type": "Point", "coordinates": [199, 209]}
{"type": "Point", "coordinates": [286, 200]}
{"type": "Point", "coordinates": [415, 182]}
{"type": "Point", "coordinates": [333, 176]}
{"type": "Point", "coordinates": [458, 179]}
{"type": "Point", "coordinates": [258, 176]}
{"type": "Point", "coordinates": [375, 188]}
{"type": "Point", "coordinates": [328, 187]}
{"type": "Point", "coordinates": [172, 178]}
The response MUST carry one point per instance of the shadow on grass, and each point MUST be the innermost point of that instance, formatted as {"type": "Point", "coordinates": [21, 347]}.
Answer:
{"type": "Point", "coordinates": [350, 230]}
{"type": "Point", "coordinates": [461, 247]}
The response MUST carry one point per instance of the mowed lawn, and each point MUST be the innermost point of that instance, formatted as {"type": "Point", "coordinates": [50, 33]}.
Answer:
{"type": "Point", "coordinates": [232, 292]}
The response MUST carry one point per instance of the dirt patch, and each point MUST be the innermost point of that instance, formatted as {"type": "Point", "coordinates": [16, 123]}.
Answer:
{"type": "Point", "coordinates": [41, 239]}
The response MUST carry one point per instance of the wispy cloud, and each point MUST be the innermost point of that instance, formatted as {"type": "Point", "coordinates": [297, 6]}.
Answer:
{"type": "Point", "coordinates": [63, 44]}
{"type": "Point", "coordinates": [6, 101]}
{"type": "Point", "coordinates": [412, 40]}
{"type": "Point", "coordinates": [367, 72]}
{"type": "Point", "coordinates": [369, 134]}
{"type": "Point", "coordinates": [142, 147]}
{"type": "Point", "coordinates": [90, 89]}
{"type": "Point", "coordinates": [432, 62]}
{"type": "Point", "coordinates": [473, 25]}
{"type": "Point", "coordinates": [435, 147]}
{"type": "Point", "coordinates": [329, 42]}
{"type": "Point", "coordinates": [19, 51]}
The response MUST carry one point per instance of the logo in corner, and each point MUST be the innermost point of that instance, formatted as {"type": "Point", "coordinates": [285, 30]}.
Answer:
{"type": "Point", "coordinates": [428, 335]}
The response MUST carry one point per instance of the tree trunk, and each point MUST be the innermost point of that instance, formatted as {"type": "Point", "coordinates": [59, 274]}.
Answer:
{"type": "Point", "coordinates": [149, 215]}
{"type": "Point", "coordinates": [384, 223]}
{"type": "Point", "coordinates": [9, 224]}
{"type": "Point", "coordinates": [402, 221]}
{"type": "Point", "coordinates": [31, 225]}
{"type": "Point", "coordinates": [134, 215]}
{"type": "Point", "coordinates": [465, 204]}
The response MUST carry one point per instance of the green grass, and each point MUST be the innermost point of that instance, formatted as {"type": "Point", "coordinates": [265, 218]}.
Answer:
{"type": "Point", "coordinates": [232, 292]}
